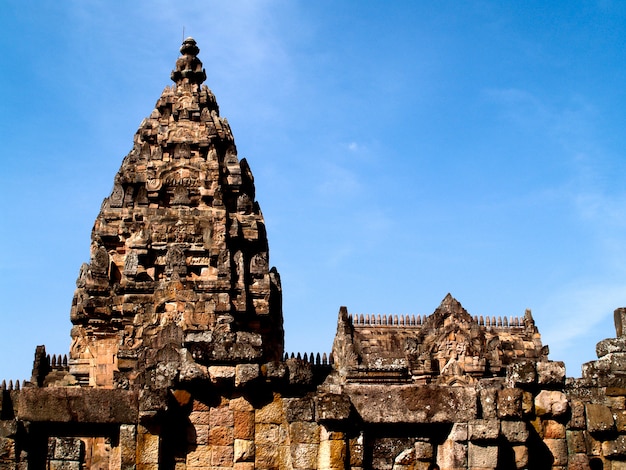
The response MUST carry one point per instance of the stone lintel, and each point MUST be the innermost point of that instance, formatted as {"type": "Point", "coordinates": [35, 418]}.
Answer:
{"type": "Point", "coordinates": [80, 405]}
{"type": "Point", "coordinates": [379, 403]}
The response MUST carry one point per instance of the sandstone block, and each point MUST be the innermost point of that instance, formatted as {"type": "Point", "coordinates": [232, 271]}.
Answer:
{"type": "Point", "coordinates": [510, 403]}
{"type": "Point", "coordinates": [452, 454]}
{"type": "Point", "coordinates": [299, 409]}
{"type": "Point", "coordinates": [551, 373]}
{"type": "Point", "coordinates": [553, 429]}
{"type": "Point", "coordinates": [128, 450]}
{"type": "Point", "coordinates": [558, 449]}
{"type": "Point", "coordinates": [243, 466]}
{"type": "Point", "coordinates": [611, 345]}
{"type": "Point", "coordinates": [528, 403]}
{"type": "Point", "coordinates": [78, 404]}
{"type": "Point", "coordinates": [221, 374]}
{"type": "Point", "coordinates": [482, 456]}
{"type": "Point", "coordinates": [271, 413]}
{"type": "Point", "coordinates": [65, 448]}
{"type": "Point", "coordinates": [221, 416]}
{"type": "Point", "coordinates": [356, 451]}
{"type": "Point", "coordinates": [199, 417]}
{"type": "Point", "coordinates": [576, 442]}
{"type": "Point", "coordinates": [64, 465]}
{"type": "Point", "coordinates": [488, 402]}
{"type": "Point", "coordinates": [615, 449]}
{"type": "Point", "coordinates": [459, 432]}
{"type": "Point", "coordinates": [578, 462]}
{"type": "Point", "coordinates": [483, 429]}
{"type": "Point", "coordinates": [423, 450]}
{"type": "Point", "coordinates": [243, 427]}
{"type": "Point", "coordinates": [413, 404]}
{"type": "Point", "coordinates": [267, 456]}
{"type": "Point", "coordinates": [221, 456]}
{"type": "Point", "coordinates": [521, 456]}
{"type": "Point", "coordinates": [221, 436]}
{"type": "Point", "coordinates": [245, 374]}
{"type": "Point", "coordinates": [7, 449]}
{"type": "Point", "coordinates": [240, 404]}
{"type": "Point", "coordinates": [332, 455]}
{"type": "Point", "coordinates": [267, 434]}
{"type": "Point", "coordinates": [147, 447]}
{"type": "Point", "coordinates": [7, 428]}
{"type": "Point", "coordinates": [304, 456]}
{"type": "Point", "coordinates": [551, 403]}
{"type": "Point", "coordinates": [577, 418]}
{"type": "Point", "coordinates": [332, 407]}
{"type": "Point", "coordinates": [514, 431]}
{"type": "Point", "coordinates": [201, 432]}
{"type": "Point", "coordinates": [304, 432]}
{"type": "Point", "coordinates": [200, 457]}
{"type": "Point", "coordinates": [521, 373]}
{"type": "Point", "coordinates": [599, 418]}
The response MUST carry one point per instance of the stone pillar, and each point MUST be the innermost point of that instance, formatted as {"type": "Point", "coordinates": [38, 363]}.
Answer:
{"type": "Point", "coordinates": [147, 449]}
{"type": "Point", "coordinates": [333, 450]}
{"type": "Point", "coordinates": [128, 446]}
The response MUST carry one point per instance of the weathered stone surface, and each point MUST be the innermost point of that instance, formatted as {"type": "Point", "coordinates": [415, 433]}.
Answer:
{"type": "Point", "coordinates": [515, 431]}
{"type": "Point", "coordinates": [551, 373]}
{"type": "Point", "coordinates": [611, 345]}
{"type": "Point", "coordinates": [599, 418]}
{"type": "Point", "coordinates": [551, 403]}
{"type": "Point", "coordinates": [483, 429]}
{"type": "Point", "coordinates": [246, 374]}
{"type": "Point", "coordinates": [510, 403]}
{"type": "Point", "coordinates": [299, 409]}
{"type": "Point", "coordinates": [459, 432]}
{"type": "Point", "coordinates": [482, 455]}
{"type": "Point", "coordinates": [558, 449]}
{"type": "Point", "coordinates": [412, 404]}
{"type": "Point", "coordinates": [522, 373]}
{"type": "Point", "coordinates": [69, 404]}
{"type": "Point", "coordinates": [615, 449]}
{"type": "Point", "coordinates": [452, 455]}
{"type": "Point", "coordinates": [521, 456]}
{"type": "Point", "coordinates": [177, 347]}
{"type": "Point", "coordinates": [332, 407]}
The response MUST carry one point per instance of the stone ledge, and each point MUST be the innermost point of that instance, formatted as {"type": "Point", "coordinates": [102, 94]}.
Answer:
{"type": "Point", "coordinates": [413, 404]}
{"type": "Point", "coordinates": [74, 404]}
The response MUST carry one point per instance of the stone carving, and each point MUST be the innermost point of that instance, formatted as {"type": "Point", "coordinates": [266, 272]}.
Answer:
{"type": "Point", "coordinates": [177, 360]}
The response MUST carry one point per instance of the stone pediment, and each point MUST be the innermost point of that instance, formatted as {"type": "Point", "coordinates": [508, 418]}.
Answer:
{"type": "Point", "coordinates": [448, 346]}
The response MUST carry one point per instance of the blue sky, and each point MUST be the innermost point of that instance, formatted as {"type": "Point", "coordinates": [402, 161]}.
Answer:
{"type": "Point", "coordinates": [401, 150]}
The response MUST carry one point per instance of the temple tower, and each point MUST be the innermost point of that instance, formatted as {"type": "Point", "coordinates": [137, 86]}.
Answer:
{"type": "Point", "coordinates": [179, 276]}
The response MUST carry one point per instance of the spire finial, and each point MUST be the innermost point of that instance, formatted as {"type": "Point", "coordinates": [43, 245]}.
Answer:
{"type": "Point", "coordinates": [188, 66]}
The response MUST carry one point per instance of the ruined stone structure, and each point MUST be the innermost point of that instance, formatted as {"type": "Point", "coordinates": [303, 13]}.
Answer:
{"type": "Point", "coordinates": [177, 357]}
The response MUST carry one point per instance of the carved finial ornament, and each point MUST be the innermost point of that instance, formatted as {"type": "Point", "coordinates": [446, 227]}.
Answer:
{"type": "Point", "coordinates": [188, 66]}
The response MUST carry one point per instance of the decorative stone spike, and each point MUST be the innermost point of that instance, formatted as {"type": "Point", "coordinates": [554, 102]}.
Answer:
{"type": "Point", "coordinates": [619, 315]}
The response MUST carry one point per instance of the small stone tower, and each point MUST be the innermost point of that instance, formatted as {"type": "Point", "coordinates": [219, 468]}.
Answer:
{"type": "Point", "coordinates": [179, 276]}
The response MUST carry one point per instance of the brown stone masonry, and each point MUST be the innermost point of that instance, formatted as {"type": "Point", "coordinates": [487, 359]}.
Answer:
{"type": "Point", "coordinates": [177, 358]}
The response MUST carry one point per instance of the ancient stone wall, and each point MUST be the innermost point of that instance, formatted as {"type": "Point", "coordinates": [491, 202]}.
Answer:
{"type": "Point", "coordinates": [177, 357]}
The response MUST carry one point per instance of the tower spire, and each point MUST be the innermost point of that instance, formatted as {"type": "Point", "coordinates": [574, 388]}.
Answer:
{"type": "Point", "coordinates": [188, 66]}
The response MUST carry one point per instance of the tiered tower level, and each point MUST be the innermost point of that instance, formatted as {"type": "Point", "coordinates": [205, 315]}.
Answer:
{"type": "Point", "coordinates": [179, 275]}
{"type": "Point", "coordinates": [177, 358]}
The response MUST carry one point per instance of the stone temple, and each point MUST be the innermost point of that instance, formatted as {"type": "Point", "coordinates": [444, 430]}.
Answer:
{"type": "Point", "coordinates": [177, 358]}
